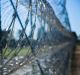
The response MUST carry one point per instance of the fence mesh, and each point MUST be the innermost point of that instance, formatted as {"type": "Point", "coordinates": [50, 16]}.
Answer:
{"type": "Point", "coordinates": [35, 38]}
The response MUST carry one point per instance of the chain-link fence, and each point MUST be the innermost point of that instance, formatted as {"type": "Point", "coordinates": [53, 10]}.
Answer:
{"type": "Point", "coordinates": [33, 38]}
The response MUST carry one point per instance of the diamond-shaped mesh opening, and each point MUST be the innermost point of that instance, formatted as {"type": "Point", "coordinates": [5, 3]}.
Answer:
{"type": "Point", "coordinates": [33, 37]}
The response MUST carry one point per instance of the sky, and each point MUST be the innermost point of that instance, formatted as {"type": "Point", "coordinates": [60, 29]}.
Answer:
{"type": "Point", "coordinates": [73, 9]}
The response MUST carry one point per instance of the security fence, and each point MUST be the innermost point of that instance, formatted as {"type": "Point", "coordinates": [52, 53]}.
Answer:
{"type": "Point", "coordinates": [35, 36]}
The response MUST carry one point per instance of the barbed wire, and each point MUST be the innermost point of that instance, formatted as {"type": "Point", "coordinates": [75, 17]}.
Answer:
{"type": "Point", "coordinates": [49, 32]}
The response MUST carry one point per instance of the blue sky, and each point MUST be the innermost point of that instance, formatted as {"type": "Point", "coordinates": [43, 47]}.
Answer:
{"type": "Point", "coordinates": [73, 9]}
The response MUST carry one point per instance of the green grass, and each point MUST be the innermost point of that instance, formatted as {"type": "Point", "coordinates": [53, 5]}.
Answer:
{"type": "Point", "coordinates": [9, 53]}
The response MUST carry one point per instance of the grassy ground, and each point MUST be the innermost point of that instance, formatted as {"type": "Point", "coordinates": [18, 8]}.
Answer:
{"type": "Point", "coordinates": [8, 53]}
